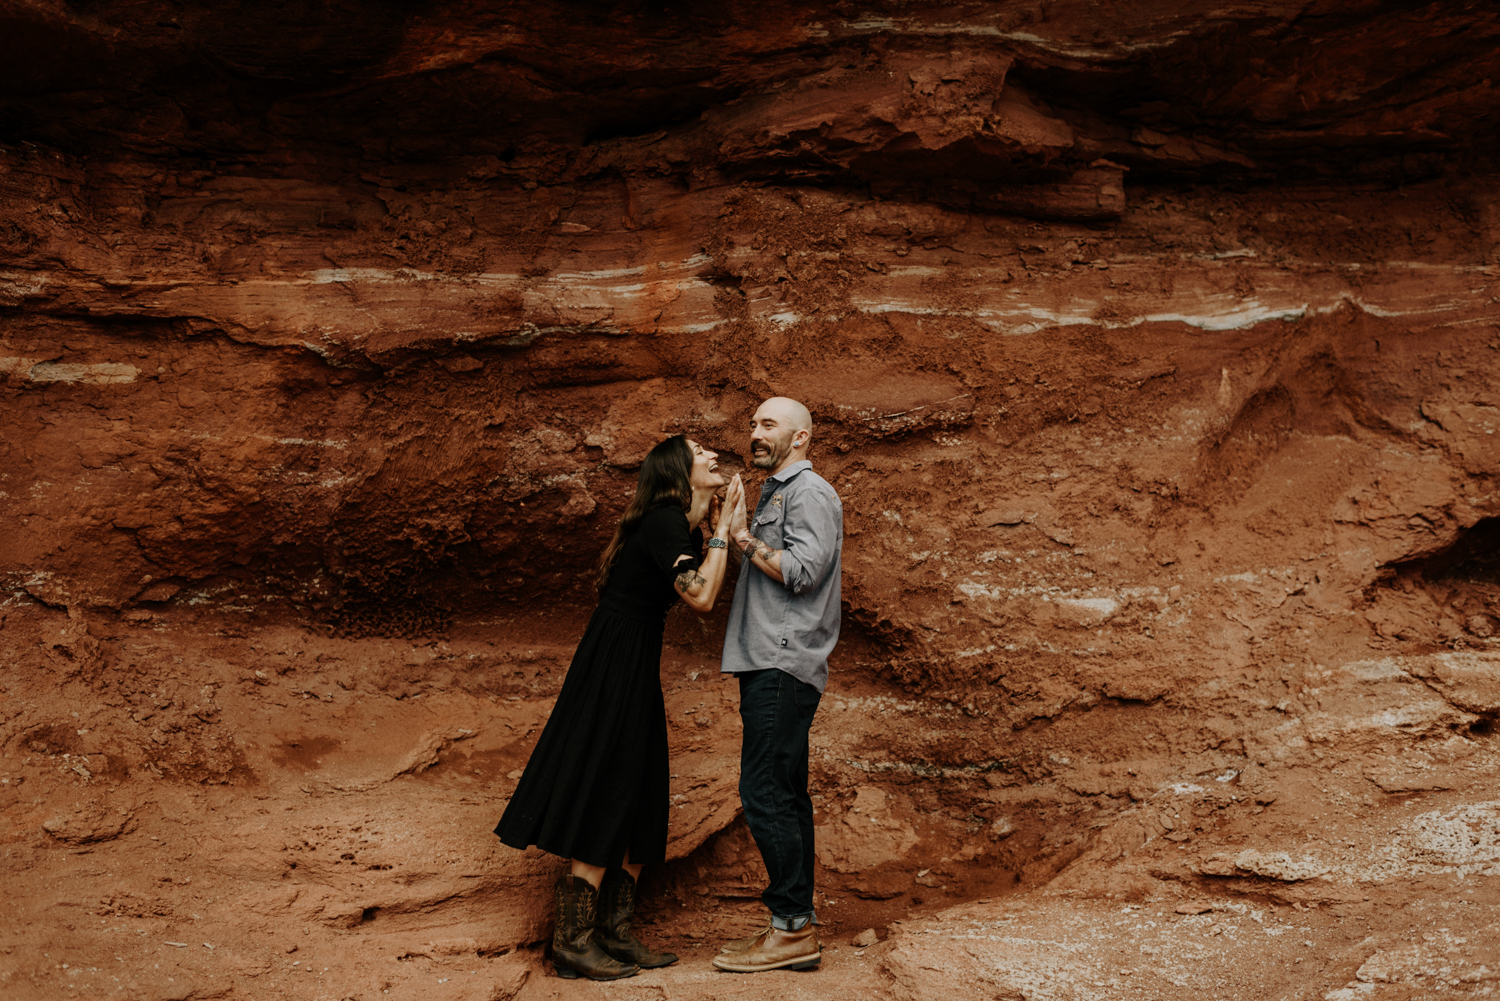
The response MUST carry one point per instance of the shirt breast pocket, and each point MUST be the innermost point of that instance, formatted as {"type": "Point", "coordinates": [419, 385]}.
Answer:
{"type": "Point", "coordinates": [769, 525]}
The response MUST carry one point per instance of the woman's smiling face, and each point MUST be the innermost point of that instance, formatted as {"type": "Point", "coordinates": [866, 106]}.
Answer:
{"type": "Point", "coordinates": [705, 474]}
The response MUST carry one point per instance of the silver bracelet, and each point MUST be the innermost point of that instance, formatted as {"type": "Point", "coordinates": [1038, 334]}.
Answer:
{"type": "Point", "coordinates": [717, 543]}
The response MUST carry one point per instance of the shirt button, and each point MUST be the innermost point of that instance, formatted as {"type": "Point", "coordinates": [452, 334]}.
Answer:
{"type": "Point", "coordinates": [783, 642]}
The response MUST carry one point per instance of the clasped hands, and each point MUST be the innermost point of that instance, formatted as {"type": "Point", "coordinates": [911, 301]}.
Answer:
{"type": "Point", "coordinates": [728, 515]}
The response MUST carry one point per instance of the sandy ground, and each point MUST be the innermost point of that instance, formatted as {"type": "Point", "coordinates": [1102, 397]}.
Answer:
{"type": "Point", "coordinates": [343, 850]}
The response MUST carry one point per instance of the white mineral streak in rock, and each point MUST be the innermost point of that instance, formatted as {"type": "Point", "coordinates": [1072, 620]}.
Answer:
{"type": "Point", "coordinates": [1439, 957]}
{"type": "Point", "coordinates": [1279, 865]}
{"type": "Point", "coordinates": [1465, 837]}
{"type": "Point", "coordinates": [1090, 610]}
{"type": "Point", "coordinates": [1001, 303]}
{"type": "Point", "coordinates": [17, 366]}
{"type": "Point", "coordinates": [96, 373]}
{"type": "Point", "coordinates": [675, 296]}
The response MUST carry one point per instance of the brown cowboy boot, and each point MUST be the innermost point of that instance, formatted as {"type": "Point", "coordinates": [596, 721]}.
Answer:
{"type": "Point", "coordinates": [574, 949]}
{"type": "Point", "coordinates": [616, 905]}
{"type": "Point", "coordinates": [775, 949]}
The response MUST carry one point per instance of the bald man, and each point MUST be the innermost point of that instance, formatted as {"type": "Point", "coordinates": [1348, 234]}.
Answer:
{"type": "Point", "coordinates": [782, 625]}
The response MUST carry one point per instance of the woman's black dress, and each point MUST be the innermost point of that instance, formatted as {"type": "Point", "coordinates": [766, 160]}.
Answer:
{"type": "Point", "coordinates": [597, 783]}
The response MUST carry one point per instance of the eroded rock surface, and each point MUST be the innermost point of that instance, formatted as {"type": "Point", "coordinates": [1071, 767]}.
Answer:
{"type": "Point", "coordinates": [1151, 348]}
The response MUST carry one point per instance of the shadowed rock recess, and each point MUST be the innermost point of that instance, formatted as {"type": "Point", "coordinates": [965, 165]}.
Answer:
{"type": "Point", "coordinates": [1152, 348]}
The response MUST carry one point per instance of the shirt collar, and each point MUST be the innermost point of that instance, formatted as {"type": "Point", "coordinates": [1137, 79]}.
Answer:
{"type": "Point", "coordinates": [791, 470]}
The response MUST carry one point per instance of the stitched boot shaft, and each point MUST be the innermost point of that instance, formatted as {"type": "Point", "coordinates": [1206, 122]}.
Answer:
{"type": "Point", "coordinates": [616, 907]}
{"type": "Point", "coordinates": [574, 948]}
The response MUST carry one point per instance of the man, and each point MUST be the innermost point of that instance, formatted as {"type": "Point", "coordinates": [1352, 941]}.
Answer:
{"type": "Point", "coordinates": [782, 625]}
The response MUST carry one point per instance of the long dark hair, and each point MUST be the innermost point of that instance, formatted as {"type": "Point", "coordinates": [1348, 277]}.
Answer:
{"type": "Point", "coordinates": [663, 480]}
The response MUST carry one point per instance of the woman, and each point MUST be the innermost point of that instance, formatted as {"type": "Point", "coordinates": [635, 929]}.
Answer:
{"type": "Point", "coordinates": [596, 788]}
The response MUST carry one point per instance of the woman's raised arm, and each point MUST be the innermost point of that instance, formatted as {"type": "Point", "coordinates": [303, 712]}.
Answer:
{"type": "Point", "coordinates": [699, 586]}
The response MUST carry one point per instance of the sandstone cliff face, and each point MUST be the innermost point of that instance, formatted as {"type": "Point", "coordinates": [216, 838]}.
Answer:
{"type": "Point", "coordinates": [1151, 348]}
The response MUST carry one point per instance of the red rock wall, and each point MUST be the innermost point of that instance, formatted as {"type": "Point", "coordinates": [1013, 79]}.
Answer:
{"type": "Point", "coordinates": [1150, 348]}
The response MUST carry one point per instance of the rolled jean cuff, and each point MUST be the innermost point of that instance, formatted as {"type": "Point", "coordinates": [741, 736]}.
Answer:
{"type": "Point", "coordinates": [794, 922]}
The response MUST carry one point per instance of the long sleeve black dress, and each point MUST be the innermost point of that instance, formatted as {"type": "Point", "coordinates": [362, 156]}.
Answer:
{"type": "Point", "coordinates": [597, 782]}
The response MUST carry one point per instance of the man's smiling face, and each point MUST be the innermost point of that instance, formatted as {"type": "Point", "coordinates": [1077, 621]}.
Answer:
{"type": "Point", "coordinates": [771, 434]}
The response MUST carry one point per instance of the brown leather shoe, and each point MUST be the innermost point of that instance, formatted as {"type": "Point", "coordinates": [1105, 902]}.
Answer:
{"type": "Point", "coordinates": [740, 945]}
{"type": "Point", "coordinates": [776, 950]}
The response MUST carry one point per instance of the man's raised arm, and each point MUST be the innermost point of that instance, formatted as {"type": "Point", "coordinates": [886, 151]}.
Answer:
{"type": "Point", "coordinates": [811, 532]}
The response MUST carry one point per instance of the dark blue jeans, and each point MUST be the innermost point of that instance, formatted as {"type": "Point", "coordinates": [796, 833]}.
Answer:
{"type": "Point", "coordinates": [777, 711]}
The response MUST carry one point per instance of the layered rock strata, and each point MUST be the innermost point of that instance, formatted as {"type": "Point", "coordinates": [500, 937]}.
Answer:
{"type": "Point", "coordinates": [1150, 350]}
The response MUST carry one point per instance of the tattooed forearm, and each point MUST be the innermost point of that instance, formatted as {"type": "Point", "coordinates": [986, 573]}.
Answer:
{"type": "Point", "coordinates": [770, 559]}
{"type": "Point", "coordinates": [689, 579]}
{"type": "Point", "coordinates": [754, 547]}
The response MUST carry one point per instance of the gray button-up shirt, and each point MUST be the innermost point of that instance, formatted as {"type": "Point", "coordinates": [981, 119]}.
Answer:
{"type": "Point", "coordinates": [791, 626]}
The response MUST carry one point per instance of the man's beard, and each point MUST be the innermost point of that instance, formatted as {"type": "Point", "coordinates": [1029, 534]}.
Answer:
{"type": "Point", "coordinates": [772, 456]}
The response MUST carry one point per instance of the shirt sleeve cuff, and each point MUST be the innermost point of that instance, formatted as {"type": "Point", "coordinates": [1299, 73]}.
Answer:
{"type": "Point", "coordinates": [794, 576]}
